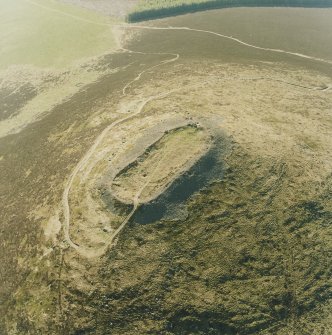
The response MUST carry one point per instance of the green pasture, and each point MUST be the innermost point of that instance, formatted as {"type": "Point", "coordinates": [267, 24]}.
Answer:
{"type": "Point", "coordinates": [50, 34]}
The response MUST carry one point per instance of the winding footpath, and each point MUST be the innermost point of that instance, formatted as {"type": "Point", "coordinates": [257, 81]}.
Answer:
{"type": "Point", "coordinates": [136, 204]}
{"type": "Point", "coordinates": [180, 28]}
{"type": "Point", "coordinates": [281, 51]}
{"type": "Point", "coordinates": [174, 59]}
{"type": "Point", "coordinates": [84, 161]}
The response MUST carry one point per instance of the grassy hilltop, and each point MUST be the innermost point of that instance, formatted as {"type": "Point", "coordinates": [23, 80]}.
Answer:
{"type": "Point", "coordinates": [152, 9]}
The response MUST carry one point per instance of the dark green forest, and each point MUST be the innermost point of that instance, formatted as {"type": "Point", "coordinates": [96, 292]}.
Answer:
{"type": "Point", "coordinates": [159, 9]}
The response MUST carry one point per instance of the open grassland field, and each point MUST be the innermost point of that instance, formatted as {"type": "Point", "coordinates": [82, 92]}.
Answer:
{"type": "Point", "coordinates": [49, 34]}
{"type": "Point", "coordinates": [47, 54]}
{"type": "Point", "coordinates": [180, 184]}
{"type": "Point", "coordinates": [115, 8]}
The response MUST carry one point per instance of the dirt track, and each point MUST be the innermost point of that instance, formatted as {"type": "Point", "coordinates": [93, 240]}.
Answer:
{"type": "Point", "coordinates": [83, 163]}
{"type": "Point", "coordinates": [233, 39]}
{"type": "Point", "coordinates": [85, 159]}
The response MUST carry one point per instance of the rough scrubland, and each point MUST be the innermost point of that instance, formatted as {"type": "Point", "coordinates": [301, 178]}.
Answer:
{"type": "Point", "coordinates": [249, 251]}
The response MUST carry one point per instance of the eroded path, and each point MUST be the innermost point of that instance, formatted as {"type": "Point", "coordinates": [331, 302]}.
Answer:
{"type": "Point", "coordinates": [174, 57]}
{"type": "Point", "coordinates": [136, 203]}
{"type": "Point", "coordinates": [84, 161]}
{"type": "Point", "coordinates": [293, 53]}
{"type": "Point", "coordinates": [237, 40]}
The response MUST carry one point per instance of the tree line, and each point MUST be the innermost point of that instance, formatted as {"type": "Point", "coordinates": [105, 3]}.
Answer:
{"type": "Point", "coordinates": [164, 8]}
